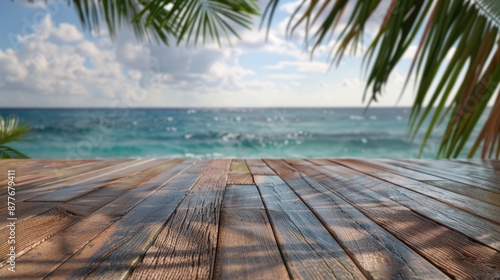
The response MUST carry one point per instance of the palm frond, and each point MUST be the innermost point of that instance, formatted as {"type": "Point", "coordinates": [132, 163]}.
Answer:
{"type": "Point", "coordinates": [12, 129]}
{"type": "Point", "coordinates": [457, 59]}
{"type": "Point", "coordinates": [7, 153]}
{"type": "Point", "coordinates": [165, 20]}
{"type": "Point", "coordinates": [195, 19]}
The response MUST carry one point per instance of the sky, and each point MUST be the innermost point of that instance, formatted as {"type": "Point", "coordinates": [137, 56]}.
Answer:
{"type": "Point", "coordinates": [48, 60]}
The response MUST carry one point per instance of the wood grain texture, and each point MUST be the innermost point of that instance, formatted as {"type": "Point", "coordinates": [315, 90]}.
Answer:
{"type": "Point", "coordinates": [460, 168]}
{"type": "Point", "coordinates": [52, 168]}
{"type": "Point", "coordinates": [484, 184]}
{"type": "Point", "coordinates": [238, 165]}
{"type": "Point", "coordinates": [49, 255]}
{"type": "Point", "coordinates": [75, 206]}
{"type": "Point", "coordinates": [186, 247]}
{"type": "Point", "coordinates": [378, 253]}
{"type": "Point", "coordinates": [247, 248]}
{"type": "Point", "coordinates": [240, 178]}
{"type": "Point", "coordinates": [239, 174]}
{"type": "Point", "coordinates": [453, 186]}
{"type": "Point", "coordinates": [44, 183]}
{"type": "Point", "coordinates": [258, 167]}
{"type": "Point", "coordinates": [474, 227]}
{"type": "Point", "coordinates": [447, 249]}
{"type": "Point", "coordinates": [88, 185]}
{"type": "Point", "coordinates": [303, 219]}
{"type": "Point", "coordinates": [465, 203]}
{"type": "Point", "coordinates": [309, 251]}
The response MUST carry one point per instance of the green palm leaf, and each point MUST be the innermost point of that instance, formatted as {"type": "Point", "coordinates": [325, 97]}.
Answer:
{"type": "Point", "coordinates": [459, 38]}
{"type": "Point", "coordinates": [11, 129]}
{"type": "Point", "coordinates": [165, 20]}
{"type": "Point", "coordinates": [8, 153]}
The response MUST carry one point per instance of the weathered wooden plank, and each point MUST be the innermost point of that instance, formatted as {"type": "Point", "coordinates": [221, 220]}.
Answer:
{"type": "Point", "coordinates": [493, 187]}
{"type": "Point", "coordinates": [31, 232]}
{"type": "Point", "coordinates": [51, 223]}
{"type": "Point", "coordinates": [238, 165]}
{"type": "Point", "coordinates": [199, 167]}
{"type": "Point", "coordinates": [457, 187]}
{"type": "Point", "coordinates": [240, 178]}
{"type": "Point", "coordinates": [465, 203]}
{"type": "Point", "coordinates": [37, 167]}
{"type": "Point", "coordinates": [487, 164]}
{"type": "Point", "coordinates": [88, 185]}
{"type": "Point", "coordinates": [239, 174]}
{"type": "Point", "coordinates": [451, 251]}
{"type": "Point", "coordinates": [52, 175]}
{"type": "Point", "coordinates": [476, 228]}
{"type": "Point", "coordinates": [186, 247]}
{"type": "Point", "coordinates": [454, 167]}
{"type": "Point", "coordinates": [33, 190]}
{"type": "Point", "coordinates": [258, 167]}
{"type": "Point", "coordinates": [378, 253]}
{"type": "Point", "coordinates": [298, 161]}
{"type": "Point", "coordinates": [49, 255]}
{"type": "Point", "coordinates": [309, 251]}
{"type": "Point", "coordinates": [247, 248]}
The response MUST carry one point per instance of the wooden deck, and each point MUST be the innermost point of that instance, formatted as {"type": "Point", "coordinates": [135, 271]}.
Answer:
{"type": "Point", "coordinates": [252, 219]}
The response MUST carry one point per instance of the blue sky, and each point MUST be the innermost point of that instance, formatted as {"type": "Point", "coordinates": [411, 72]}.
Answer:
{"type": "Point", "coordinates": [47, 60]}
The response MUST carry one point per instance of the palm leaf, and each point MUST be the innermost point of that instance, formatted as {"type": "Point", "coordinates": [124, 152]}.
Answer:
{"type": "Point", "coordinates": [151, 20]}
{"type": "Point", "coordinates": [11, 129]}
{"type": "Point", "coordinates": [467, 31]}
{"type": "Point", "coordinates": [7, 153]}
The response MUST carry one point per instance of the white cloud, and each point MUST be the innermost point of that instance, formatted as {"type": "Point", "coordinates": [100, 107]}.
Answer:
{"type": "Point", "coordinates": [301, 66]}
{"type": "Point", "coordinates": [286, 76]}
{"type": "Point", "coordinates": [67, 32]}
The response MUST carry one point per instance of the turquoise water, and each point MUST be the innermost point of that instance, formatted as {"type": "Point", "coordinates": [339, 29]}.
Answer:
{"type": "Point", "coordinates": [219, 133]}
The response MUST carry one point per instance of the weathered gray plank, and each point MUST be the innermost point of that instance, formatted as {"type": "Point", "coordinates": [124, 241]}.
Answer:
{"type": "Point", "coordinates": [258, 167]}
{"type": "Point", "coordinates": [186, 247]}
{"type": "Point", "coordinates": [449, 250]}
{"type": "Point", "coordinates": [309, 251]}
{"type": "Point", "coordinates": [49, 255]}
{"type": "Point", "coordinates": [465, 203]}
{"type": "Point", "coordinates": [453, 186]}
{"type": "Point", "coordinates": [247, 248]}
{"type": "Point", "coordinates": [379, 254]}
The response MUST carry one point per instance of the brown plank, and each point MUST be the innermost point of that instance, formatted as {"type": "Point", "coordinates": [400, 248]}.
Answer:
{"type": "Point", "coordinates": [493, 187]}
{"type": "Point", "coordinates": [30, 233]}
{"type": "Point", "coordinates": [240, 178]}
{"type": "Point", "coordinates": [49, 255]}
{"type": "Point", "coordinates": [452, 252]}
{"type": "Point", "coordinates": [462, 169]}
{"type": "Point", "coordinates": [33, 190]}
{"type": "Point", "coordinates": [51, 218]}
{"type": "Point", "coordinates": [487, 164]}
{"type": "Point", "coordinates": [379, 254]}
{"type": "Point", "coordinates": [247, 248]}
{"type": "Point", "coordinates": [258, 167]}
{"type": "Point", "coordinates": [476, 228]}
{"type": "Point", "coordinates": [186, 247]}
{"type": "Point", "coordinates": [87, 185]}
{"type": "Point", "coordinates": [239, 174]}
{"type": "Point", "coordinates": [465, 203]}
{"type": "Point", "coordinates": [38, 167]}
{"type": "Point", "coordinates": [238, 165]}
{"type": "Point", "coordinates": [25, 213]}
{"type": "Point", "coordinates": [457, 187]}
{"type": "Point", "coordinates": [52, 175]}
{"type": "Point", "coordinates": [199, 167]}
{"type": "Point", "coordinates": [309, 251]}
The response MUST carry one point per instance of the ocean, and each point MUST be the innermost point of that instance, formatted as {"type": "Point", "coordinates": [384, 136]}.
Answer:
{"type": "Point", "coordinates": [222, 133]}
